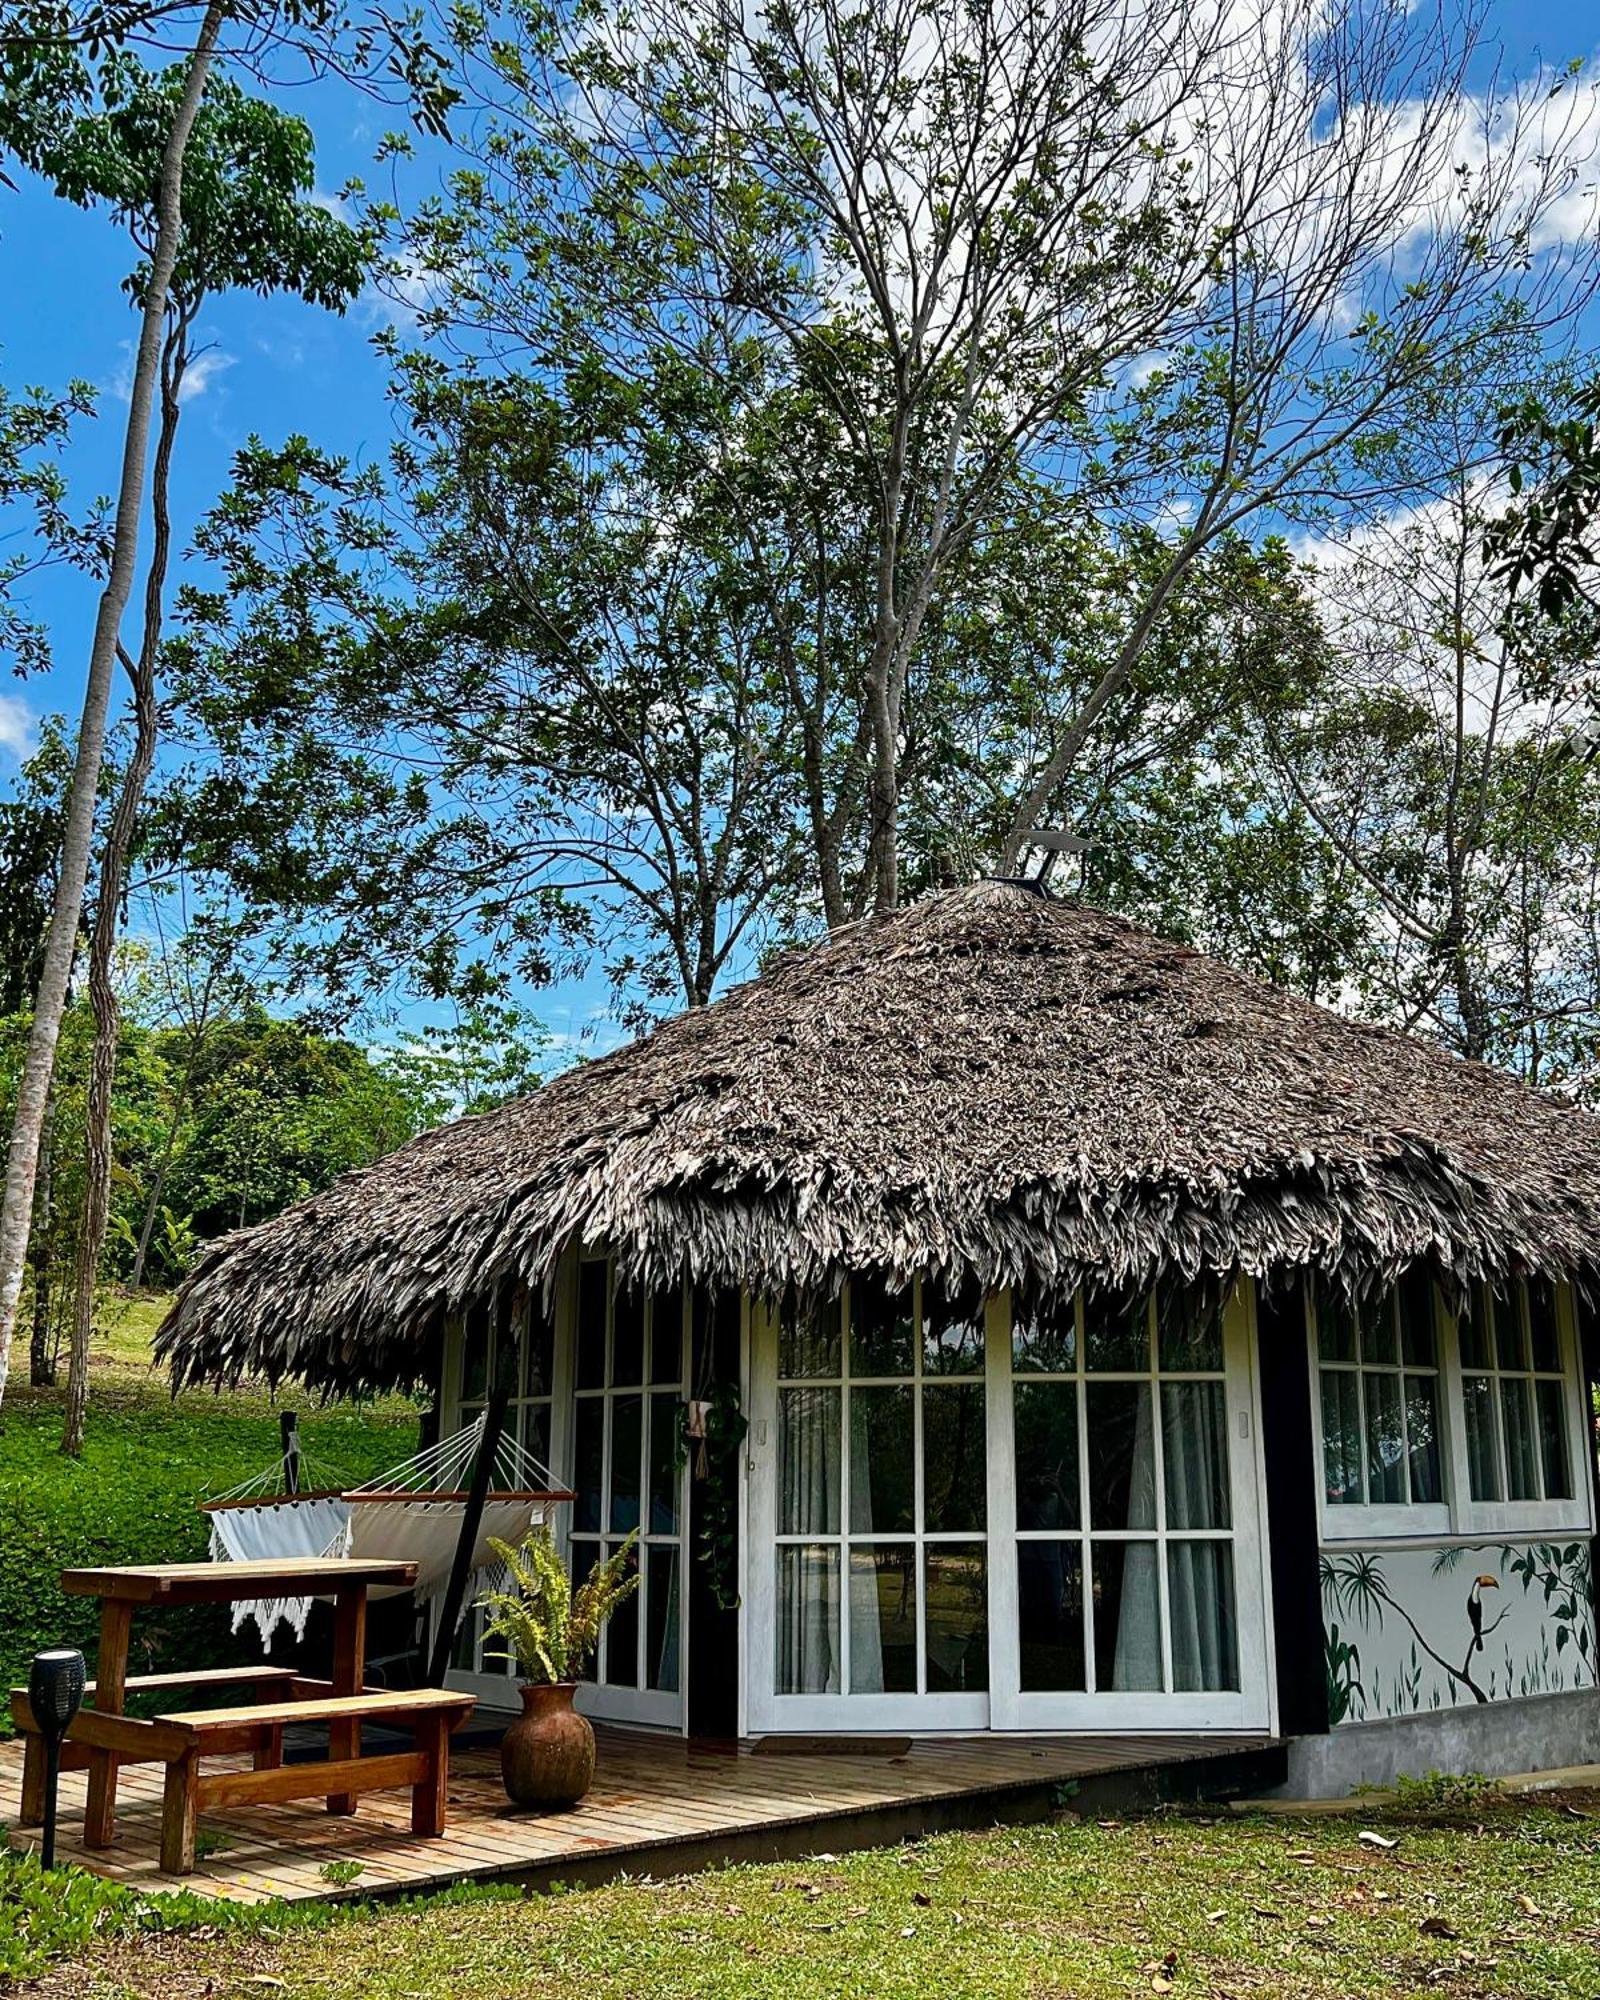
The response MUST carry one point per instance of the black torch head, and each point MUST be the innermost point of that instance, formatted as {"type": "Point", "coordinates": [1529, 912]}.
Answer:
{"type": "Point", "coordinates": [55, 1690]}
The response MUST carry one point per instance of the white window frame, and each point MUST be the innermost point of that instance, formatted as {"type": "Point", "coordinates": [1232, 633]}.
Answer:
{"type": "Point", "coordinates": [1460, 1516]}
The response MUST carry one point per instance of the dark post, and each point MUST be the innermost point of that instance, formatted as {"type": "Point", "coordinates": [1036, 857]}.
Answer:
{"type": "Point", "coordinates": [289, 1432]}
{"type": "Point", "coordinates": [55, 1694]}
{"type": "Point", "coordinates": [502, 1373]}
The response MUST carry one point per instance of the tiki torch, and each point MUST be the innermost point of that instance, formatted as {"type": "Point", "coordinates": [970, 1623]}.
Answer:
{"type": "Point", "coordinates": [55, 1694]}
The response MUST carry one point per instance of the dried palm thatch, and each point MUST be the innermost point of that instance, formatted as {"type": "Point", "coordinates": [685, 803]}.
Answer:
{"type": "Point", "coordinates": [988, 1083]}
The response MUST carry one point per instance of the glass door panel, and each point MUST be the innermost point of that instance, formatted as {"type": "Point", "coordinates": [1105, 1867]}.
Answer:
{"type": "Point", "coordinates": [1132, 1439]}
{"type": "Point", "coordinates": [875, 1604]}
{"type": "Point", "coordinates": [628, 1473]}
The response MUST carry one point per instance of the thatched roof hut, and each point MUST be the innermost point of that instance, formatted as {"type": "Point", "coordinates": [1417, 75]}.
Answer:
{"type": "Point", "coordinates": [990, 1083]}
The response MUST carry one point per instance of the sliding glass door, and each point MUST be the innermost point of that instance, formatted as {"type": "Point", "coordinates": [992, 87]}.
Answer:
{"type": "Point", "coordinates": [1032, 1517]}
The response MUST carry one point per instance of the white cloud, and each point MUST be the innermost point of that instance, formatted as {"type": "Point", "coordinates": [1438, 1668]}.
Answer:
{"type": "Point", "coordinates": [16, 726]}
{"type": "Point", "coordinates": [202, 372]}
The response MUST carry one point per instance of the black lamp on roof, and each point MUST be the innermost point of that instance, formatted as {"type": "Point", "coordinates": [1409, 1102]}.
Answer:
{"type": "Point", "coordinates": [55, 1694]}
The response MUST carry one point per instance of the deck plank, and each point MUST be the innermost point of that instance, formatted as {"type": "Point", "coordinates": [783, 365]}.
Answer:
{"type": "Point", "coordinates": [658, 1803]}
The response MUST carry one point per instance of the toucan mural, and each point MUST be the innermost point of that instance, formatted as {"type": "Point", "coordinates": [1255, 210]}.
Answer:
{"type": "Point", "coordinates": [1401, 1635]}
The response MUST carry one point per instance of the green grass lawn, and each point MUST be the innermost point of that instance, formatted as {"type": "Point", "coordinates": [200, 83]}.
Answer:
{"type": "Point", "coordinates": [1505, 1902]}
{"type": "Point", "coordinates": [148, 1459]}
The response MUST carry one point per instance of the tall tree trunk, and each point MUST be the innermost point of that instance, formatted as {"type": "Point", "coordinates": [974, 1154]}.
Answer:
{"type": "Point", "coordinates": [41, 1362]}
{"type": "Point", "coordinates": [22, 1160]}
{"type": "Point", "coordinates": [108, 903]}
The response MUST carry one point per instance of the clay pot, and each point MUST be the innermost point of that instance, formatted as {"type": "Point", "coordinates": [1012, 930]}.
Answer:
{"type": "Point", "coordinates": [547, 1755]}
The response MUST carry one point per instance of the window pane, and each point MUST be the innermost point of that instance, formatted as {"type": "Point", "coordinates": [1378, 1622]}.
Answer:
{"type": "Point", "coordinates": [1122, 1468]}
{"type": "Point", "coordinates": [1386, 1442]}
{"type": "Point", "coordinates": [1483, 1466]}
{"type": "Point", "coordinates": [1542, 1324]}
{"type": "Point", "coordinates": [1336, 1327]}
{"type": "Point", "coordinates": [1194, 1448]}
{"type": "Point", "coordinates": [1553, 1441]}
{"type": "Point", "coordinates": [881, 1330]}
{"type": "Point", "coordinates": [1473, 1330]}
{"type": "Point", "coordinates": [627, 1339]}
{"type": "Point", "coordinates": [955, 1482]}
{"type": "Point", "coordinates": [808, 1461]}
{"type": "Point", "coordinates": [1046, 1420]}
{"type": "Point", "coordinates": [1516, 1408]}
{"type": "Point", "coordinates": [1378, 1330]}
{"type": "Point", "coordinates": [1050, 1616]}
{"type": "Point", "coordinates": [662, 1620]}
{"type": "Point", "coordinates": [1127, 1616]}
{"type": "Point", "coordinates": [1417, 1341]}
{"type": "Point", "coordinates": [808, 1338]}
{"type": "Point", "coordinates": [1116, 1329]}
{"type": "Point", "coordinates": [534, 1430]}
{"type": "Point", "coordinates": [1189, 1324]}
{"type": "Point", "coordinates": [952, 1331]}
{"type": "Point", "coordinates": [627, 1443]}
{"type": "Point", "coordinates": [808, 1621]}
{"type": "Point", "coordinates": [666, 1336]}
{"type": "Point", "coordinates": [664, 1475]}
{"type": "Point", "coordinates": [1509, 1338]}
{"type": "Point", "coordinates": [1205, 1639]}
{"type": "Point", "coordinates": [1422, 1438]}
{"type": "Point", "coordinates": [956, 1596]}
{"type": "Point", "coordinates": [1341, 1437]}
{"type": "Point", "coordinates": [475, 1353]}
{"type": "Point", "coordinates": [538, 1349]}
{"type": "Point", "coordinates": [588, 1462]}
{"type": "Point", "coordinates": [592, 1284]}
{"type": "Point", "coordinates": [1044, 1333]}
{"type": "Point", "coordinates": [882, 1461]}
{"type": "Point", "coordinates": [883, 1620]}
{"type": "Point", "coordinates": [622, 1636]}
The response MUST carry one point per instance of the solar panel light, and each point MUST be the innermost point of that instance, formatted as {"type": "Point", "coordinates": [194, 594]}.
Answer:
{"type": "Point", "coordinates": [55, 1694]}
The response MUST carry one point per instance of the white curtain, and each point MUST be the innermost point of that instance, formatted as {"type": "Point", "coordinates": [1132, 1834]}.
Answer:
{"type": "Point", "coordinates": [1138, 1653]}
{"type": "Point", "coordinates": [1199, 1574]}
{"type": "Point", "coordinates": [808, 1577]}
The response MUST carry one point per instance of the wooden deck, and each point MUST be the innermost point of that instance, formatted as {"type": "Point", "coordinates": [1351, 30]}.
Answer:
{"type": "Point", "coordinates": [660, 1806]}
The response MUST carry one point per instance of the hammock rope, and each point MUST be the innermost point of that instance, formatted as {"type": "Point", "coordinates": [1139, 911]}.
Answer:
{"type": "Point", "coordinates": [413, 1512]}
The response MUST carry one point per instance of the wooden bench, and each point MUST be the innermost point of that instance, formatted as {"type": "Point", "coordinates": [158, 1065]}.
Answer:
{"type": "Point", "coordinates": [264, 1740]}
{"type": "Point", "coordinates": [430, 1713]}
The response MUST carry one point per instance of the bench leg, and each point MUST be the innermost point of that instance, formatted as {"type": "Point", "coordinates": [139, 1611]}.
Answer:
{"type": "Point", "coordinates": [178, 1814]}
{"type": "Point", "coordinates": [428, 1799]}
{"type": "Point", "coordinates": [268, 1753]}
{"type": "Point", "coordinates": [31, 1812]}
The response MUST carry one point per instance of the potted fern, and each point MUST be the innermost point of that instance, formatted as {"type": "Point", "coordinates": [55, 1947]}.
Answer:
{"type": "Point", "coordinates": [549, 1629]}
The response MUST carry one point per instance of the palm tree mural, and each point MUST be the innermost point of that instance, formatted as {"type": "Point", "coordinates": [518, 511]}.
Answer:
{"type": "Point", "coordinates": [1356, 1586]}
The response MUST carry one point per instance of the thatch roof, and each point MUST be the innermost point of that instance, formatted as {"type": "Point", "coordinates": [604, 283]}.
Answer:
{"type": "Point", "coordinates": [989, 1082]}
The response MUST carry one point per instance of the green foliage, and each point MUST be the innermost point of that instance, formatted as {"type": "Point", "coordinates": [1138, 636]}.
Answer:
{"type": "Point", "coordinates": [341, 1873]}
{"type": "Point", "coordinates": [1443, 1792]}
{"type": "Point", "coordinates": [549, 1628]}
{"type": "Point", "coordinates": [717, 1491]}
{"type": "Point", "coordinates": [57, 1915]}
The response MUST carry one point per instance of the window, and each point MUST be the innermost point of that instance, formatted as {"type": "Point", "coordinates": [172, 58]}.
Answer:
{"type": "Point", "coordinates": [1379, 1376]}
{"type": "Point", "coordinates": [1514, 1394]}
{"type": "Point", "coordinates": [1432, 1421]}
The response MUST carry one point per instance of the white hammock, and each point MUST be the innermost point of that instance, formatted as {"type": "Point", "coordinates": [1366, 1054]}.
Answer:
{"type": "Point", "coordinates": [410, 1514]}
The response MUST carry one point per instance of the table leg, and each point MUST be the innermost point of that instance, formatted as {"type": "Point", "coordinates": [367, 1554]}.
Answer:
{"type": "Point", "coordinates": [110, 1689]}
{"type": "Point", "coordinates": [349, 1674]}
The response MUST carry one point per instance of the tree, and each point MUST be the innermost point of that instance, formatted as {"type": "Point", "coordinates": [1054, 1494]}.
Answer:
{"type": "Point", "coordinates": [1446, 760]}
{"type": "Point", "coordinates": [1116, 246]}
{"type": "Point", "coordinates": [44, 73]}
{"type": "Point", "coordinates": [248, 223]}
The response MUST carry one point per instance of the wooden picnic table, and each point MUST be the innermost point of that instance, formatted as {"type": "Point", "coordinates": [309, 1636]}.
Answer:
{"type": "Point", "coordinates": [122, 1590]}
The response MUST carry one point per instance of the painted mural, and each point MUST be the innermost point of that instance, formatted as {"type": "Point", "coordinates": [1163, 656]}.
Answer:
{"type": "Point", "coordinates": [1408, 1630]}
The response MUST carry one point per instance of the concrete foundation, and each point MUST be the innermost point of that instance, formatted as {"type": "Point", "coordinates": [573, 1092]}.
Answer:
{"type": "Point", "coordinates": [1500, 1739]}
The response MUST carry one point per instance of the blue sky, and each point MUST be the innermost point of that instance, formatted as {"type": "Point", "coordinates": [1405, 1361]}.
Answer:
{"type": "Point", "coordinates": [274, 366]}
